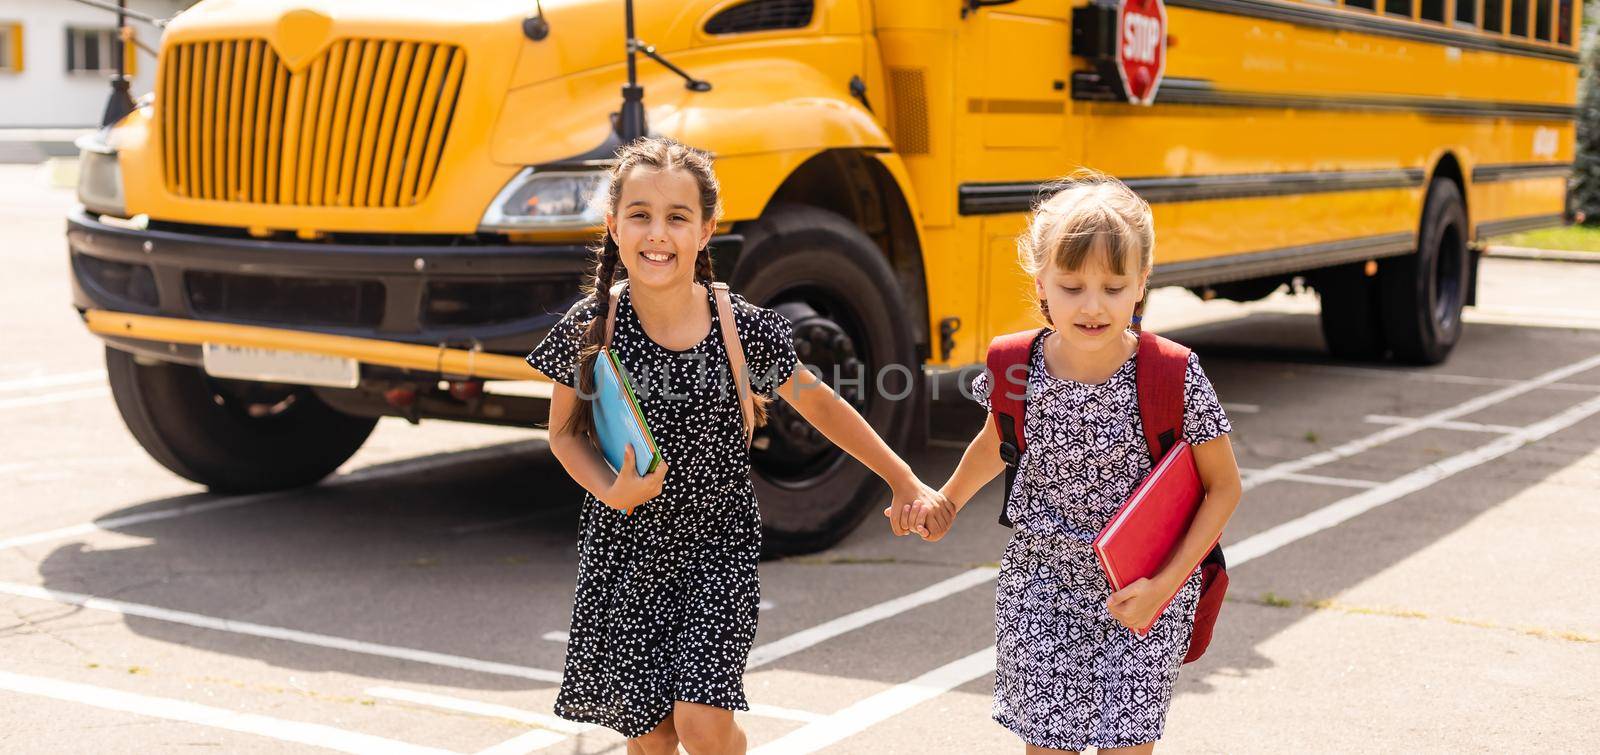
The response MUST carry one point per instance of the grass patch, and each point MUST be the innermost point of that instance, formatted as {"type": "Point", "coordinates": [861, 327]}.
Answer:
{"type": "Point", "coordinates": [1571, 238]}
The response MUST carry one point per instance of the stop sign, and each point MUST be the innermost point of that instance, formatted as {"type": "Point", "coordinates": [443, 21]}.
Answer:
{"type": "Point", "coordinates": [1141, 48]}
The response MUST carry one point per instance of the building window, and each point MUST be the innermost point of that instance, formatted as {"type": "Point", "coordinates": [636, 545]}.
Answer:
{"type": "Point", "coordinates": [92, 50]}
{"type": "Point", "coordinates": [10, 47]}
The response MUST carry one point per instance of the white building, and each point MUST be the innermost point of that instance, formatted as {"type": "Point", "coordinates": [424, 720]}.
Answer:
{"type": "Point", "coordinates": [57, 57]}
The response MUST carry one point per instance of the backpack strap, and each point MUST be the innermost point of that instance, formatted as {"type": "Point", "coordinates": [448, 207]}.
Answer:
{"type": "Point", "coordinates": [611, 311]}
{"type": "Point", "coordinates": [1160, 372]}
{"type": "Point", "coordinates": [741, 376]}
{"type": "Point", "coordinates": [1159, 376]}
{"type": "Point", "coordinates": [1008, 363]}
{"type": "Point", "coordinates": [730, 341]}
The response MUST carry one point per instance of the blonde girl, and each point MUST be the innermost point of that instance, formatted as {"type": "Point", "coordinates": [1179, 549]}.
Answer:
{"type": "Point", "coordinates": [1070, 674]}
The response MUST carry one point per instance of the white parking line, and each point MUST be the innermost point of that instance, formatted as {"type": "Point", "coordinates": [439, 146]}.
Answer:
{"type": "Point", "coordinates": [1238, 408]}
{"type": "Point", "coordinates": [1351, 448]}
{"type": "Point", "coordinates": [52, 381]}
{"type": "Point", "coordinates": [314, 735]}
{"type": "Point", "coordinates": [279, 633]}
{"type": "Point", "coordinates": [1341, 482]}
{"type": "Point", "coordinates": [366, 474]}
{"type": "Point", "coordinates": [487, 710]}
{"type": "Point", "coordinates": [801, 640]}
{"type": "Point", "coordinates": [1328, 516]}
{"type": "Point", "coordinates": [537, 739]}
{"type": "Point", "coordinates": [54, 398]}
{"type": "Point", "coordinates": [882, 706]}
{"type": "Point", "coordinates": [1470, 427]}
{"type": "Point", "coordinates": [892, 702]}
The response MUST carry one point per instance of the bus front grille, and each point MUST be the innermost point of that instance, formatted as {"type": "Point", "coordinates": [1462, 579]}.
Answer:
{"type": "Point", "coordinates": [360, 125]}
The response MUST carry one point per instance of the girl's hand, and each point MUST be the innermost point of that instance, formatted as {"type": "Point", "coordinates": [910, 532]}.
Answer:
{"type": "Point", "coordinates": [630, 490]}
{"type": "Point", "coordinates": [918, 508]}
{"type": "Point", "coordinates": [1135, 606]}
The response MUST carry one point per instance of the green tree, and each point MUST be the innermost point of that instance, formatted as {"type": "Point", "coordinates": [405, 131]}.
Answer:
{"type": "Point", "coordinates": [1583, 197]}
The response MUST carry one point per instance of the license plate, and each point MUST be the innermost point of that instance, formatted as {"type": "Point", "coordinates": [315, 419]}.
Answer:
{"type": "Point", "coordinates": [272, 365]}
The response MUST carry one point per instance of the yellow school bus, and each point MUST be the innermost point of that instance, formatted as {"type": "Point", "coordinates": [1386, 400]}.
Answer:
{"type": "Point", "coordinates": [328, 212]}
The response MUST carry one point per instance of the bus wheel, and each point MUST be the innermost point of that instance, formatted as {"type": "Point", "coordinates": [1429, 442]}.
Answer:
{"type": "Point", "coordinates": [849, 316]}
{"type": "Point", "coordinates": [231, 436]}
{"type": "Point", "coordinates": [1423, 293]}
{"type": "Point", "coordinates": [1350, 320]}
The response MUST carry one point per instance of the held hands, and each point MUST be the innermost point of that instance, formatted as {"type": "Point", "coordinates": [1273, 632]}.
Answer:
{"type": "Point", "coordinates": [920, 509]}
{"type": "Point", "coordinates": [630, 490]}
{"type": "Point", "coordinates": [1135, 606]}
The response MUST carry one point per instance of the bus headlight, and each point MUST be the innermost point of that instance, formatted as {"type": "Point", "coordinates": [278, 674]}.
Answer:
{"type": "Point", "coordinates": [99, 177]}
{"type": "Point", "coordinates": [552, 200]}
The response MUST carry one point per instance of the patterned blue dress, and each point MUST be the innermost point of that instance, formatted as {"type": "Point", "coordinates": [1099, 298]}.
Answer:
{"type": "Point", "coordinates": [1067, 675]}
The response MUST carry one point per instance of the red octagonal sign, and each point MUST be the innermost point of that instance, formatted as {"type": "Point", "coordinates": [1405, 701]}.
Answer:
{"type": "Point", "coordinates": [1141, 48]}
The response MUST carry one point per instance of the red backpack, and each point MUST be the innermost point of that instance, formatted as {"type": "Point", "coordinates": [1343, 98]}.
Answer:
{"type": "Point", "coordinates": [1161, 367]}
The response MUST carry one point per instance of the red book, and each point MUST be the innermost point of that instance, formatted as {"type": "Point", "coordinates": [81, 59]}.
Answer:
{"type": "Point", "coordinates": [1142, 535]}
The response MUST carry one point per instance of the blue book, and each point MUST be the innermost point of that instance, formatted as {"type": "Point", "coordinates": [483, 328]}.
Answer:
{"type": "Point", "coordinates": [618, 420]}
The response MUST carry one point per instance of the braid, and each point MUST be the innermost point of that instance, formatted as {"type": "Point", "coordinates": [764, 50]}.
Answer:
{"type": "Point", "coordinates": [605, 268]}
{"type": "Point", "coordinates": [702, 266]}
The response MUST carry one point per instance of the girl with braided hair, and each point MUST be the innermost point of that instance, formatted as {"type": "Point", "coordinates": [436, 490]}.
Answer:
{"type": "Point", "coordinates": [666, 602]}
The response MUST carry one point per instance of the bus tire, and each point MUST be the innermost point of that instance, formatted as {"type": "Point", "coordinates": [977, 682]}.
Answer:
{"type": "Point", "coordinates": [203, 429]}
{"type": "Point", "coordinates": [837, 289]}
{"type": "Point", "coordinates": [1351, 324]}
{"type": "Point", "coordinates": [1423, 293]}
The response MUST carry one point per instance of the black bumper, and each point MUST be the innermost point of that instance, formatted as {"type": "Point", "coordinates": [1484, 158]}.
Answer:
{"type": "Point", "coordinates": [501, 297]}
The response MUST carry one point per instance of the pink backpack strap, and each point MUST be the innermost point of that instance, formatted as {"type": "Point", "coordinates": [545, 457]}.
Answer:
{"type": "Point", "coordinates": [1008, 363]}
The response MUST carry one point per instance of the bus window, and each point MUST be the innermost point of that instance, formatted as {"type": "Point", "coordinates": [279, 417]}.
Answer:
{"type": "Point", "coordinates": [1433, 10]}
{"type": "Point", "coordinates": [1519, 18]}
{"type": "Point", "coordinates": [1467, 12]}
{"type": "Point", "coordinates": [1397, 7]}
{"type": "Point", "coordinates": [1564, 22]}
{"type": "Point", "coordinates": [1494, 14]}
{"type": "Point", "coordinates": [1542, 28]}
{"type": "Point", "coordinates": [1362, 4]}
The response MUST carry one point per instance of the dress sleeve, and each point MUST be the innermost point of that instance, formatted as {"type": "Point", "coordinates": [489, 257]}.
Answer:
{"type": "Point", "coordinates": [982, 387]}
{"type": "Point", "coordinates": [1203, 418]}
{"type": "Point", "coordinates": [557, 355]}
{"type": "Point", "coordinates": [768, 340]}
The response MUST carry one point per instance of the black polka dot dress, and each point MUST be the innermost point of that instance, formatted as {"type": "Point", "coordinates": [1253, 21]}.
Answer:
{"type": "Point", "coordinates": [666, 600]}
{"type": "Point", "coordinates": [1067, 675]}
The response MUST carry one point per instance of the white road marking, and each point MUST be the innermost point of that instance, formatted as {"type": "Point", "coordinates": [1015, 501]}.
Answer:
{"type": "Point", "coordinates": [366, 474]}
{"type": "Point", "coordinates": [801, 640]}
{"type": "Point", "coordinates": [1470, 427]}
{"type": "Point", "coordinates": [62, 397]}
{"type": "Point", "coordinates": [1334, 514]}
{"type": "Point", "coordinates": [1342, 482]}
{"type": "Point", "coordinates": [314, 735]}
{"type": "Point", "coordinates": [556, 636]}
{"type": "Point", "coordinates": [1237, 408]}
{"type": "Point", "coordinates": [52, 381]}
{"type": "Point", "coordinates": [126, 608]}
{"type": "Point", "coordinates": [1351, 448]}
{"type": "Point", "coordinates": [1431, 377]}
{"type": "Point", "coordinates": [882, 706]}
{"type": "Point", "coordinates": [787, 714]}
{"type": "Point", "coordinates": [537, 739]}
{"type": "Point", "coordinates": [892, 702]}
{"type": "Point", "coordinates": [487, 710]}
